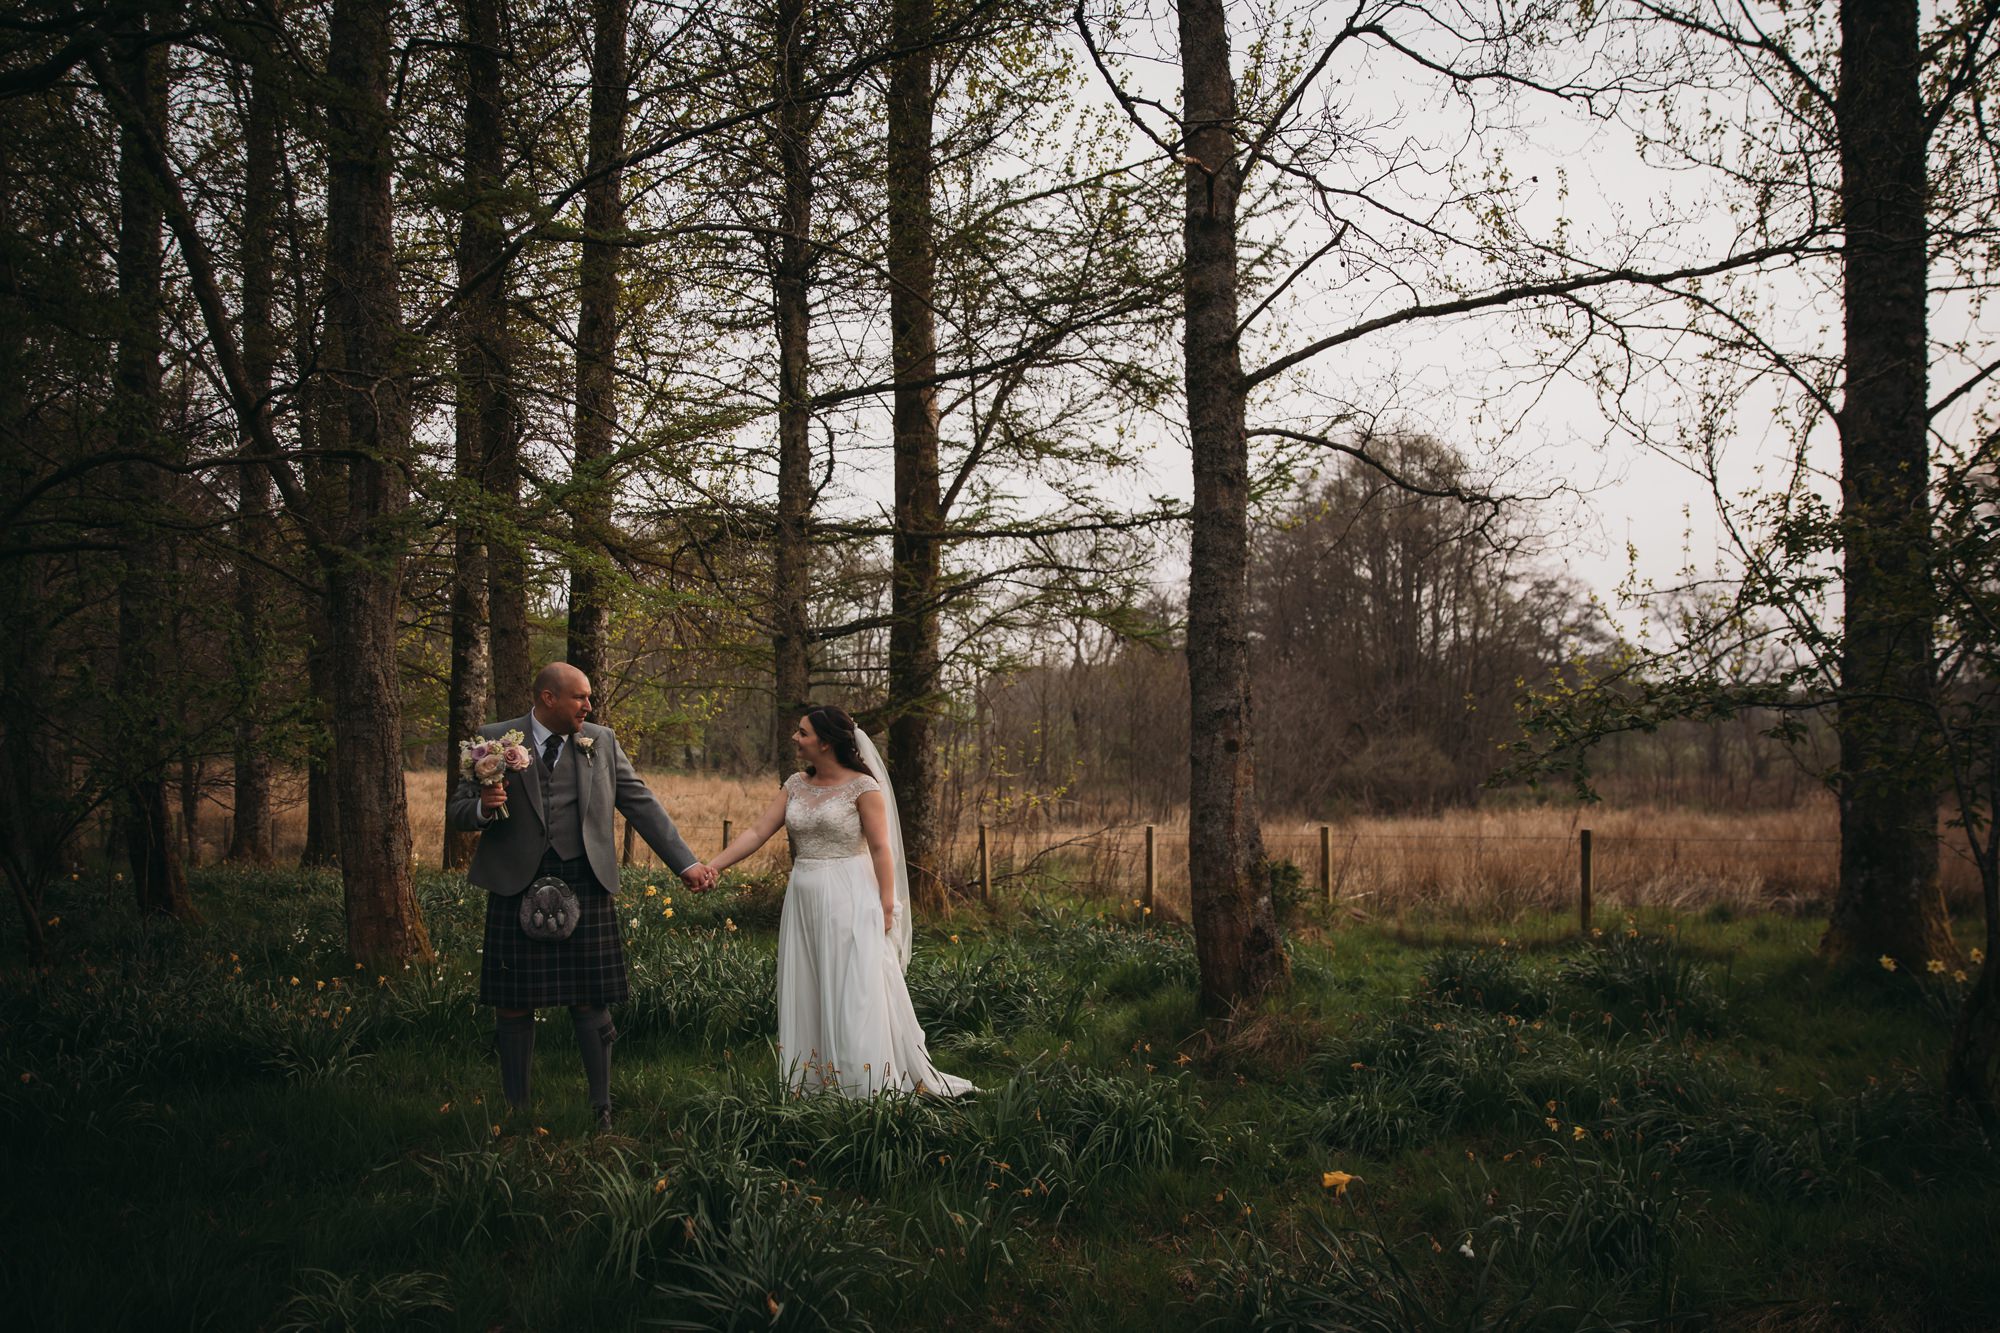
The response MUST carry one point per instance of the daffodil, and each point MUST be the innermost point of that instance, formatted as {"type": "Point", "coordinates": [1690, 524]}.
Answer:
{"type": "Point", "coordinates": [1337, 1181]}
{"type": "Point", "coordinates": [1888, 963]}
{"type": "Point", "coordinates": [1935, 966]}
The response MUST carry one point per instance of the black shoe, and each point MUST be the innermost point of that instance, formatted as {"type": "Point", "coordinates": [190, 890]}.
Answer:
{"type": "Point", "coordinates": [604, 1120]}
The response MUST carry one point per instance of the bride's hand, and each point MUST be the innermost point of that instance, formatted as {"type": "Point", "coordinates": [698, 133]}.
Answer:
{"type": "Point", "coordinates": [888, 916]}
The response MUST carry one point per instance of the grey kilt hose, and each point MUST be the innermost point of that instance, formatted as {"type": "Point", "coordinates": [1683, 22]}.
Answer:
{"type": "Point", "coordinates": [518, 972]}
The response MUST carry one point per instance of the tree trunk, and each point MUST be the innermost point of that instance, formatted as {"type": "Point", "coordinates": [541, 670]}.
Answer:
{"type": "Point", "coordinates": [1236, 935]}
{"type": "Point", "coordinates": [913, 632]}
{"type": "Point", "coordinates": [250, 839]}
{"type": "Point", "coordinates": [484, 409]}
{"type": "Point", "coordinates": [367, 393]}
{"type": "Point", "coordinates": [30, 785]}
{"type": "Point", "coordinates": [322, 796]}
{"type": "Point", "coordinates": [791, 568]}
{"type": "Point", "coordinates": [597, 347]}
{"type": "Point", "coordinates": [507, 579]}
{"type": "Point", "coordinates": [158, 881]}
{"type": "Point", "coordinates": [1889, 901]}
{"type": "Point", "coordinates": [325, 501]}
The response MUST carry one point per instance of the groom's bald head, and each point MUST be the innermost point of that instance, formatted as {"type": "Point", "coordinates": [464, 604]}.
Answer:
{"type": "Point", "coordinates": [562, 697]}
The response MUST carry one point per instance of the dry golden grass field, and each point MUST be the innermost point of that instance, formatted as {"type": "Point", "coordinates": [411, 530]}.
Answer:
{"type": "Point", "coordinates": [1472, 862]}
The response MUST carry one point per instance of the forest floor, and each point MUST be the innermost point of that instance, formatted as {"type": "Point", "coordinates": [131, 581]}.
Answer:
{"type": "Point", "coordinates": [1685, 1120]}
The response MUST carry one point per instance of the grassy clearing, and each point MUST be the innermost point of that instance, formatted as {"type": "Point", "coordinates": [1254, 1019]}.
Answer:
{"type": "Point", "coordinates": [229, 1126]}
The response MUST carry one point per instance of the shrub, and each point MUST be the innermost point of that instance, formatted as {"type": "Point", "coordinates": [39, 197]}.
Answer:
{"type": "Point", "coordinates": [1648, 981]}
{"type": "Point", "coordinates": [1288, 889]}
{"type": "Point", "coordinates": [757, 1251]}
{"type": "Point", "coordinates": [1493, 980]}
{"type": "Point", "coordinates": [486, 1193]}
{"type": "Point", "coordinates": [962, 991]}
{"type": "Point", "coordinates": [326, 1300]}
{"type": "Point", "coordinates": [701, 986]}
{"type": "Point", "coordinates": [1355, 1280]}
{"type": "Point", "coordinates": [1618, 1205]}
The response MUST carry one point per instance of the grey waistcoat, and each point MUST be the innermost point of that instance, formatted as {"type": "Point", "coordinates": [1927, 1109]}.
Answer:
{"type": "Point", "coordinates": [559, 801]}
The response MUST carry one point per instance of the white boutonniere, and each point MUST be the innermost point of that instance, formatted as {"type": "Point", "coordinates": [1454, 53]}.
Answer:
{"type": "Point", "coordinates": [584, 745]}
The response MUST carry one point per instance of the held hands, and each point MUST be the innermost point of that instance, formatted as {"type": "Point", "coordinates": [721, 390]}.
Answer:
{"type": "Point", "coordinates": [699, 877]}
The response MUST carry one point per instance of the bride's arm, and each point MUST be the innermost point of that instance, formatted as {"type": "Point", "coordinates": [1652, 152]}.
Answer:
{"type": "Point", "coordinates": [748, 841]}
{"type": "Point", "coordinates": [875, 828]}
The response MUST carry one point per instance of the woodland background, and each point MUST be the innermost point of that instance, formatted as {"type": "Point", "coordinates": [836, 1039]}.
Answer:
{"type": "Point", "coordinates": [357, 357]}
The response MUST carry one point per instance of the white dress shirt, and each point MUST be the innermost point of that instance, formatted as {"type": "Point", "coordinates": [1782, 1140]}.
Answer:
{"type": "Point", "coordinates": [538, 735]}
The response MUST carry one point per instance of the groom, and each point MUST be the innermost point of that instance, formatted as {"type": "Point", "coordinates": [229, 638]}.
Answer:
{"type": "Point", "coordinates": [554, 818]}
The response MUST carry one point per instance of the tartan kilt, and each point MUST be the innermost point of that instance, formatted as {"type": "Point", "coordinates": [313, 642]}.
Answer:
{"type": "Point", "coordinates": [517, 972]}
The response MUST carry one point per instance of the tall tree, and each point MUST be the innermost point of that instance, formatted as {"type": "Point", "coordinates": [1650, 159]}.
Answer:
{"type": "Point", "coordinates": [792, 129]}
{"type": "Point", "coordinates": [1889, 900]}
{"type": "Point", "coordinates": [158, 879]}
{"type": "Point", "coordinates": [1236, 932]}
{"type": "Point", "coordinates": [597, 324]}
{"type": "Point", "coordinates": [484, 411]}
{"type": "Point", "coordinates": [251, 833]}
{"type": "Point", "coordinates": [366, 390]}
{"type": "Point", "coordinates": [918, 505]}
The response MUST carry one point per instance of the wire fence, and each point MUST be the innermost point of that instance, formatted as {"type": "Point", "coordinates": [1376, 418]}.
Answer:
{"type": "Point", "coordinates": [1481, 861]}
{"type": "Point", "coordinates": [1372, 871]}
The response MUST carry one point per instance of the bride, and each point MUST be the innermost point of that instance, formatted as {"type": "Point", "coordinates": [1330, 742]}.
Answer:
{"type": "Point", "coordinates": [844, 1016]}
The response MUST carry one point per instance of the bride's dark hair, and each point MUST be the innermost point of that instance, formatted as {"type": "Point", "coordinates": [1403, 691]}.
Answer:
{"type": "Point", "coordinates": [832, 725]}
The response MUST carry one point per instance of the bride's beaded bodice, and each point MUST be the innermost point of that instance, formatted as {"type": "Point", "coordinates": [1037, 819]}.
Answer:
{"type": "Point", "coordinates": [823, 821]}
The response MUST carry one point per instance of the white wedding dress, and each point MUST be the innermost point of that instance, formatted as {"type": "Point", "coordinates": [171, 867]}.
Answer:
{"type": "Point", "coordinates": [845, 1022]}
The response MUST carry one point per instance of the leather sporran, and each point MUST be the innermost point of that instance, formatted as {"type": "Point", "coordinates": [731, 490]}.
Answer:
{"type": "Point", "coordinates": [549, 909]}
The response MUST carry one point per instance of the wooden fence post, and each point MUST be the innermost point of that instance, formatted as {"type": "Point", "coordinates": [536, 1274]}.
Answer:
{"type": "Point", "coordinates": [1152, 871]}
{"type": "Point", "coordinates": [631, 838]}
{"type": "Point", "coordinates": [985, 867]}
{"type": "Point", "coordinates": [727, 826]}
{"type": "Point", "coordinates": [1585, 873]}
{"type": "Point", "coordinates": [1326, 863]}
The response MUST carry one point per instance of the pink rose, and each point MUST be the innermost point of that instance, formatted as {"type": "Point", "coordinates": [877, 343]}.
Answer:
{"type": "Point", "coordinates": [518, 757]}
{"type": "Point", "coordinates": [488, 768]}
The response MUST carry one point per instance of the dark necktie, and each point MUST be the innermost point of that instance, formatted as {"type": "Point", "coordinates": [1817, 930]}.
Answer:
{"type": "Point", "coordinates": [550, 749]}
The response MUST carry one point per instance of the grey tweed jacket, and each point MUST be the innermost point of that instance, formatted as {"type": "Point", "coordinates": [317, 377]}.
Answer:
{"type": "Point", "coordinates": [510, 850]}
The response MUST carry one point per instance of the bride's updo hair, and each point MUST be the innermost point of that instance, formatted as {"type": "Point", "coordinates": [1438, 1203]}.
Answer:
{"type": "Point", "coordinates": [834, 727]}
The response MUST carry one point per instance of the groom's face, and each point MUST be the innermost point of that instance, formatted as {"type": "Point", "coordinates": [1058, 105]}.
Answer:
{"type": "Point", "coordinates": [564, 709]}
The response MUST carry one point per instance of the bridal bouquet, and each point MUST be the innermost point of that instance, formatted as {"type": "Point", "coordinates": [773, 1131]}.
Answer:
{"type": "Point", "coordinates": [489, 761]}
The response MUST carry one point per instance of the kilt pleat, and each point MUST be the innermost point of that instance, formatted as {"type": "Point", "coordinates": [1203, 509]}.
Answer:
{"type": "Point", "coordinates": [517, 972]}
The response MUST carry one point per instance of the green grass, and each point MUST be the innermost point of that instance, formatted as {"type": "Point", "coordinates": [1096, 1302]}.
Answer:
{"type": "Point", "coordinates": [1680, 1120]}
